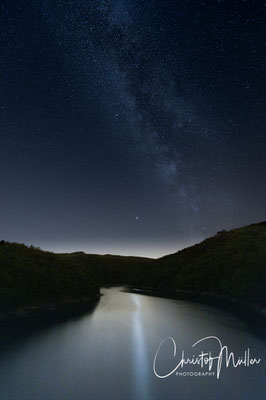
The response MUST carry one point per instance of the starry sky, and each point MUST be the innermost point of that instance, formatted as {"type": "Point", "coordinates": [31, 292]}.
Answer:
{"type": "Point", "coordinates": [130, 126]}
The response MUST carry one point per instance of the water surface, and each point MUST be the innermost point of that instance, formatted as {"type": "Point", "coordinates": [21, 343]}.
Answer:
{"type": "Point", "coordinates": [109, 354]}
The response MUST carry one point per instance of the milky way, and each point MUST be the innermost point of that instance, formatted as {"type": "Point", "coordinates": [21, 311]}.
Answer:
{"type": "Point", "coordinates": [131, 127]}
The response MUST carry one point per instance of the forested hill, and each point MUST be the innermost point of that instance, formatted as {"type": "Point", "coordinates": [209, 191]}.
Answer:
{"type": "Point", "coordinates": [231, 264]}
{"type": "Point", "coordinates": [30, 276]}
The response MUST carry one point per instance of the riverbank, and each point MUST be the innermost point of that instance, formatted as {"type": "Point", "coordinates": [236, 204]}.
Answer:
{"type": "Point", "coordinates": [53, 311]}
{"type": "Point", "coordinates": [253, 314]}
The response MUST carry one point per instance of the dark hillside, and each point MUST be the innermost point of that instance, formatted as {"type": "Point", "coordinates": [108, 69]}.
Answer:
{"type": "Point", "coordinates": [30, 276]}
{"type": "Point", "coordinates": [230, 264]}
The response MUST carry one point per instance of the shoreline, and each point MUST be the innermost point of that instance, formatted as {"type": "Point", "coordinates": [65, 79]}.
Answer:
{"type": "Point", "coordinates": [252, 314]}
{"type": "Point", "coordinates": [56, 310]}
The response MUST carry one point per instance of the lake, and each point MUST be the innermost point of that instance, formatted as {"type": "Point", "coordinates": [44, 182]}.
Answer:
{"type": "Point", "coordinates": [109, 353]}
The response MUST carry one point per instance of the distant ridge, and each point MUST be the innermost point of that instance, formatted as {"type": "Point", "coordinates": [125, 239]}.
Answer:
{"type": "Point", "coordinates": [231, 264]}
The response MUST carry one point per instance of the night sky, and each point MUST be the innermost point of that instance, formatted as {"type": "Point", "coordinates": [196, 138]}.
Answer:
{"type": "Point", "coordinates": [130, 126]}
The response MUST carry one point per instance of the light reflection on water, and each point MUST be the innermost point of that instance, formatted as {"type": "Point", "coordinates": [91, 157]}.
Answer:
{"type": "Point", "coordinates": [109, 353]}
{"type": "Point", "coordinates": [140, 351]}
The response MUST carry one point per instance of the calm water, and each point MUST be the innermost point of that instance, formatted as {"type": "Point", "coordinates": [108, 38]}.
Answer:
{"type": "Point", "coordinates": [109, 354]}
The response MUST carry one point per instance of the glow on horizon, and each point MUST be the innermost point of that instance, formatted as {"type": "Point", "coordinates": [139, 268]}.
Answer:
{"type": "Point", "coordinates": [151, 250]}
